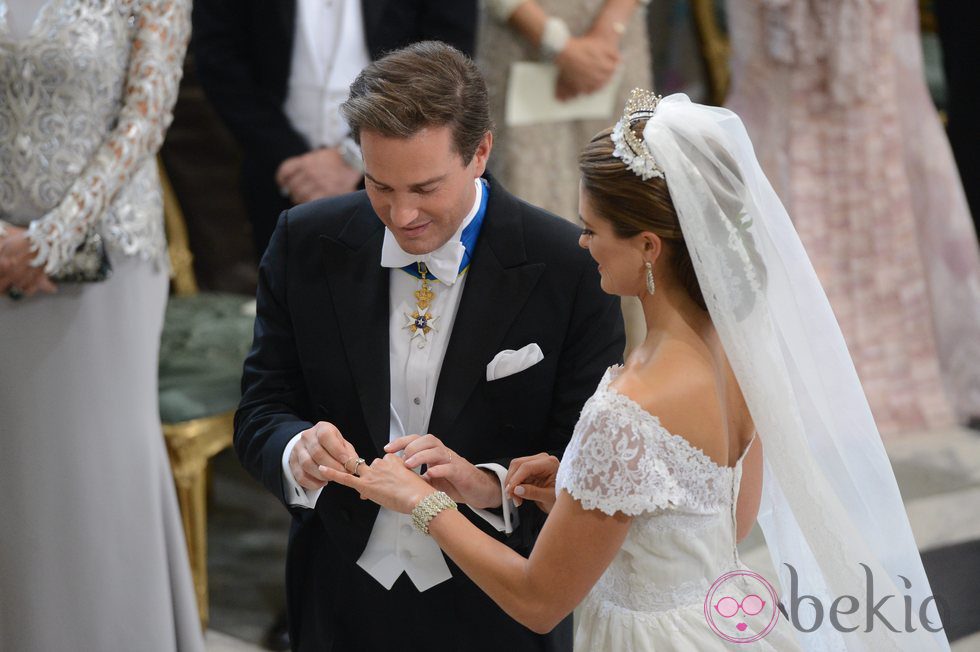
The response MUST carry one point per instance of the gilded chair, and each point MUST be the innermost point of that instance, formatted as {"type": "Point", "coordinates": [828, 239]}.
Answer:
{"type": "Point", "coordinates": [205, 338]}
{"type": "Point", "coordinates": [932, 57]}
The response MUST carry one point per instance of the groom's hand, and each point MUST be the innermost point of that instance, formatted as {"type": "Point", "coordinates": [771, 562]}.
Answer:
{"type": "Point", "coordinates": [321, 445]}
{"type": "Point", "coordinates": [448, 471]}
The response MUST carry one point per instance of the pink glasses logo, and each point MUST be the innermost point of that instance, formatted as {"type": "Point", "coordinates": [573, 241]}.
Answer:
{"type": "Point", "coordinates": [741, 607]}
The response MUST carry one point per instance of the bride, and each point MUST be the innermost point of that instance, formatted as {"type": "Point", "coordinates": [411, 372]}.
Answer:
{"type": "Point", "coordinates": [741, 403]}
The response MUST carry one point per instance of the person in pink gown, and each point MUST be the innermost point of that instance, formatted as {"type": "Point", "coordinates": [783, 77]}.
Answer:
{"type": "Point", "coordinates": [834, 98]}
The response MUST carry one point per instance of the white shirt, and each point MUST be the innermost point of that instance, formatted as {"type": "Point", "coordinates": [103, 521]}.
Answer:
{"type": "Point", "coordinates": [394, 546]}
{"type": "Point", "coordinates": [329, 50]}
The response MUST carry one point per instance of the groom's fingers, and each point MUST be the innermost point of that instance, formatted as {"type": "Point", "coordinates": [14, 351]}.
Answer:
{"type": "Point", "coordinates": [309, 482]}
{"type": "Point", "coordinates": [306, 468]}
{"type": "Point", "coordinates": [399, 444]}
{"type": "Point", "coordinates": [312, 455]}
{"type": "Point", "coordinates": [439, 472]}
{"type": "Point", "coordinates": [431, 456]}
{"type": "Point", "coordinates": [338, 450]}
{"type": "Point", "coordinates": [420, 443]}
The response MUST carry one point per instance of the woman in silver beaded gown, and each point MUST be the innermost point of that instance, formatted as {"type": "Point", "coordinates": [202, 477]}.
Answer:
{"type": "Point", "coordinates": [92, 554]}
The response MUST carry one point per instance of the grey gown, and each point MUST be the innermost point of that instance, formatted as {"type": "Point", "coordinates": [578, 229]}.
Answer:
{"type": "Point", "coordinates": [92, 555]}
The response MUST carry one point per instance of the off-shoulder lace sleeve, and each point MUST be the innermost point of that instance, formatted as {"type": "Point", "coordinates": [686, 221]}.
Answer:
{"type": "Point", "coordinates": [618, 461]}
{"type": "Point", "coordinates": [155, 67]}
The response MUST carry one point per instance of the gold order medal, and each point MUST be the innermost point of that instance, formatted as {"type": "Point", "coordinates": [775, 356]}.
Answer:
{"type": "Point", "coordinates": [420, 322]}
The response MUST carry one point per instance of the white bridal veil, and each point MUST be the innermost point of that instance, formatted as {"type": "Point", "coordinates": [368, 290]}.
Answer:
{"type": "Point", "coordinates": [831, 505]}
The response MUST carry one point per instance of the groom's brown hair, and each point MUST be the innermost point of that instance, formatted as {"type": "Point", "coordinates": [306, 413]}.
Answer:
{"type": "Point", "coordinates": [427, 84]}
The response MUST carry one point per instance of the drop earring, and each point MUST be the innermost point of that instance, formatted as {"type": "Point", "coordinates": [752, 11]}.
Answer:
{"type": "Point", "coordinates": [651, 287]}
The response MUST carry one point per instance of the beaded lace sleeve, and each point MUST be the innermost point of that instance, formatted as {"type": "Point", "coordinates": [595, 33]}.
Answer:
{"type": "Point", "coordinates": [155, 68]}
{"type": "Point", "coordinates": [620, 459]}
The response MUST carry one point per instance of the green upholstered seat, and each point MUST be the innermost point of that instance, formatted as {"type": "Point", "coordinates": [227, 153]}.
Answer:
{"type": "Point", "coordinates": [205, 339]}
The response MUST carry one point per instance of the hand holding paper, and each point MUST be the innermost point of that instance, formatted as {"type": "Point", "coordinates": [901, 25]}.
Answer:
{"type": "Point", "coordinates": [586, 65]}
{"type": "Point", "coordinates": [532, 99]}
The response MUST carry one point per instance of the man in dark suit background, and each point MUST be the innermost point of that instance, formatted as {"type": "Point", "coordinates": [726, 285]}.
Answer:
{"type": "Point", "coordinates": [432, 302]}
{"type": "Point", "coordinates": [276, 71]}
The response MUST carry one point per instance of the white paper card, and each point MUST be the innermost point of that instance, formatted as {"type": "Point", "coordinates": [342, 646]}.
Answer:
{"type": "Point", "coordinates": [531, 97]}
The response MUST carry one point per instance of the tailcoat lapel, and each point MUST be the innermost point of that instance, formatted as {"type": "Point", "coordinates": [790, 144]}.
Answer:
{"type": "Point", "coordinates": [359, 291]}
{"type": "Point", "coordinates": [286, 14]}
{"type": "Point", "coordinates": [499, 283]}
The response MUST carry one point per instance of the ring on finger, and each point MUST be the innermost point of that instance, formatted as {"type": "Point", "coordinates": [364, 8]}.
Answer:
{"type": "Point", "coordinates": [450, 456]}
{"type": "Point", "coordinates": [359, 461]}
{"type": "Point", "coordinates": [352, 459]}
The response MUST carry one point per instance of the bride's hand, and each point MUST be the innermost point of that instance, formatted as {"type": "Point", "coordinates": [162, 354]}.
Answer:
{"type": "Point", "coordinates": [533, 478]}
{"type": "Point", "coordinates": [387, 481]}
{"type": "Point", "coordinates": [449, 471]}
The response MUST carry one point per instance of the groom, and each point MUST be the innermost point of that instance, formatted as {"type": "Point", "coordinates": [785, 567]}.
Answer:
{"type": "Point", "coordinates": [433, 302]}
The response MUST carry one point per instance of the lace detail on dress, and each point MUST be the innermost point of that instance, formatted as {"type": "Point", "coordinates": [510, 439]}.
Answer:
{"type": "Point", "coordinates": [620, 459]}
{"type": "Point", "coordinates": [831, 34]}
{"type": "Point", "coordinates": [622, 587]}
{"type": "Point", "coordinates": [81, 120]}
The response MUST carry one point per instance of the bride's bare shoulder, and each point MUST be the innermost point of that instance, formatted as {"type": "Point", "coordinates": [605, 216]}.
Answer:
{"type": "Point", "coordinates": [680, 388]}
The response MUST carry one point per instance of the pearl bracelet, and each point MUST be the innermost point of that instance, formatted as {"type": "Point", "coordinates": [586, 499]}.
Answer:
{"type": "Point", "coordinates": [554, 38]}
{"type": "Point", "coordinates": [428, 508]}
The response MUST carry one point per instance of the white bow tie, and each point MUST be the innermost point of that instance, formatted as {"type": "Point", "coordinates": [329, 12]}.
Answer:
{"type": "Point", "coordinates": [443, 263]}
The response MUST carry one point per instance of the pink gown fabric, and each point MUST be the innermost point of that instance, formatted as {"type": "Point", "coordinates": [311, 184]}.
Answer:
{"type": "Point", "coordinates": [833, 95]}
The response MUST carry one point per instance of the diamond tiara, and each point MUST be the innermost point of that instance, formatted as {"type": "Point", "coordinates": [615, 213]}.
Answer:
{"type": "Point", "coordinates": [632, 151]}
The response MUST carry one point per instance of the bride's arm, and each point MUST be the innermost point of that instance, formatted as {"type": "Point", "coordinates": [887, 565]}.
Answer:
{"type": "Point", "coordinates": [572, 551]}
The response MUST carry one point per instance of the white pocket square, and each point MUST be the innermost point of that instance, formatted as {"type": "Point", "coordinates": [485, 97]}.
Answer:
{"type": "Point", "coordinates": [507, 362]}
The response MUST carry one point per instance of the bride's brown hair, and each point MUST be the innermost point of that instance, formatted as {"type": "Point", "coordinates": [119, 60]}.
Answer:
{"type": "Point", "coordinates": [632, 205]}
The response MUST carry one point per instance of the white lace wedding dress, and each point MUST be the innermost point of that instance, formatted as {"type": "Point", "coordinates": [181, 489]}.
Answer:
{"type": "Point", "coordinates": [682, 538]}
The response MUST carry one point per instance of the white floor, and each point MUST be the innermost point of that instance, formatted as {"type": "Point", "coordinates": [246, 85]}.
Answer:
{"type": "Point", "coordinates": [939, 475]}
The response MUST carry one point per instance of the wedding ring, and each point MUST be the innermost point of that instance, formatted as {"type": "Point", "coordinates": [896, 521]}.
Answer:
{"type": "Point", "coordinates": [450, 456]}
{"type": "Point", "coordinates": [360, 461]}
{"type": "Point", "coordinates": [349, 460]}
